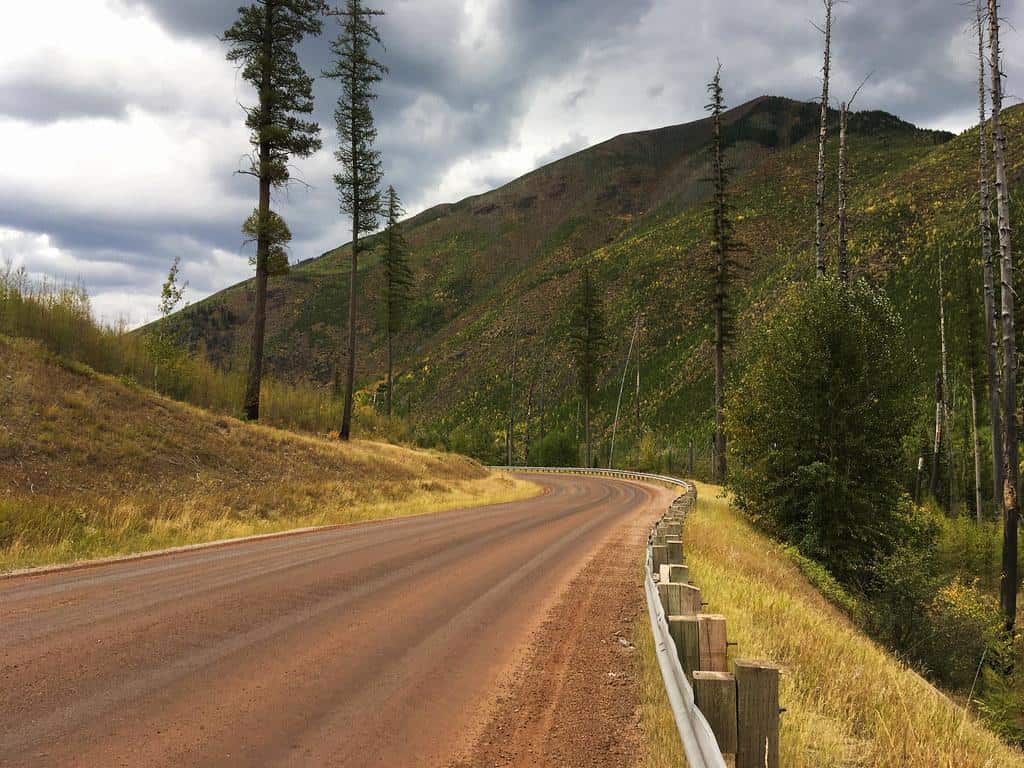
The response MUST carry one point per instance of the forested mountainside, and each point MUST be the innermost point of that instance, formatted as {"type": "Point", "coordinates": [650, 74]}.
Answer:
{"type": "Point", "coordinates": [494, 273]}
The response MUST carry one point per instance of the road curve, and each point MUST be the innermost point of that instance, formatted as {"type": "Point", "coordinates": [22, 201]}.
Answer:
{"type": "Point", "coordinates": [376, 644]}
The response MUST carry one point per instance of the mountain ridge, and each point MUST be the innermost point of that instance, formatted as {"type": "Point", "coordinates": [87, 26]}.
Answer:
{"type": "Point", "coordinates": [492, 260]}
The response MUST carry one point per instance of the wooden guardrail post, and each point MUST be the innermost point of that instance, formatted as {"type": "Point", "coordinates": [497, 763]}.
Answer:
{"type": "Point", "coordinates": [715, 696]}
{"type": "Point", "coordinates": [684, 632]}
{"type": "Point", "coordinates": [671, 598]}
{"type": "Point", "coordinates": [757, 712]}
{"type": "Point", "coordinates": [659, 556]}
{"type": "Point", "coordinates": [690, 597]}
{"type": "Point", "coordinates": [676, 574]}
{"type": "Point", "coordinates": [674, 550]}
{"type": "Point", "coordinates": [714, 646]}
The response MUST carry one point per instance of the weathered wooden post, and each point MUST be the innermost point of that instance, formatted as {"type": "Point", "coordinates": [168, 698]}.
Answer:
{"type": "Point", "coordinates": [757, 711]}
{"type": "Point", "coordinates": [684, 632]}
{"type": "Point", "coordinates": [690, 599]}
{"type": "Point", "coordinates": [671, 598]}
{"type": "Point", "coordinates": [677, 574]}
{"type": "Point", "coordinates": [674, 549]}
{"type": "Point", "coordinates": [715, 696]}
{"type": "Point", "coordinates": [714, 650]}
{"type": "Point", "coordinates": [659, 556]}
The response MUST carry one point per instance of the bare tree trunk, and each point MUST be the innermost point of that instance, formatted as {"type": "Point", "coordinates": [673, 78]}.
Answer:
{"type": "Point", "coordinates": [947, 417]}
{"type": "Point", "coordinates": [586, 428]}
{"type": "Point", "coordinates": [509, 433]}
{"type": "Point", "coordinates": [1011, 462]}
{"type": "Point", "coordinates": [350, 363]}
{"type": "Point", "coordinates": [819, 204]}
{"type": "Point", "coordinates": [526, 428]}
{"type": "Point", "coordinates": [390, 381]}
{"type": "Point", "coordinates": [622, 387]}
{"type": "Point", "coordinates": [991, 325]}
{"type": "Point", "coordinates": [976, 444]}
{"type": "Point", "coordinates": [844, 270]}
{"type": "Point", "coordinates": [720, 461]}
{"type": "Point", "coordinates": [639, 421]}
{"type": "Point", "coordinates": [933, 481]}
{"type": "Point", "coordinates": [259, 321]}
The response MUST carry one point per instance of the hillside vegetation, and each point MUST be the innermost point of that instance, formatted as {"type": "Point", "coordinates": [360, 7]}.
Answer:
{"type": "Point", "coordinates": [634, 208]}
{"type": "Point", "coordinates": [95, 465]}
{"type": "Point", "coordinates": [848, 702]}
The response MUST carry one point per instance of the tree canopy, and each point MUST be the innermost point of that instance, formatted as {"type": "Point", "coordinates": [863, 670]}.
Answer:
{"type": "Point", "coordinates": [816, 422]}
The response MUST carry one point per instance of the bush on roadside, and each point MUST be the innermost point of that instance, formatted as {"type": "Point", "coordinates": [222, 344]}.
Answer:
{"type": "Point", "coordinates": [815, 423]}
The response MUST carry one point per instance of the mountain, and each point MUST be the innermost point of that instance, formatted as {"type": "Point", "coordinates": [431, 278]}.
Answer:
{"type": "Point", "coordinates": [502, 265]}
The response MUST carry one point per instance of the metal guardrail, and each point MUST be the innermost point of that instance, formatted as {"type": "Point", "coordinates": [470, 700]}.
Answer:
{"type": "Point", "coordinates": [699, 743]}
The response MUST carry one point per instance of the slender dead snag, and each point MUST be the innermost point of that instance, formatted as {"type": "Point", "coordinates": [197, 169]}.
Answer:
{"type": "Point", "coordinates": [510, 433]}
{"type": "Point", "coordinates": [933, 481]}
{"type": "Point", "coordinates": [844, 179]}
{"type": "Point", "coordinates": [819, 201]}
{"type": "Point", "coordinates": [1011, 510]}
{"type": "Point", "coordinates": [988, 269]}
{"type": "Point", "coordinates": [622, 388]}
{"type": "Point", "coordinates": [947, 411]}
{"type": "Point", "coordinates": [976, 446]}
{"type": "Point", "coordinates": [844, 270]}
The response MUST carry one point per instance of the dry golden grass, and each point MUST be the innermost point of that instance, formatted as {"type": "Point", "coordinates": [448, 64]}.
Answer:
{"type": "Point", "coordinates": [93, 467]}
{"type": "Point", "coordinates": [849, 703]}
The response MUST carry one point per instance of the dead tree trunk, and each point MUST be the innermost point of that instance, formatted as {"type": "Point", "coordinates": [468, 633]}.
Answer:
{"type": "Point", "coordinates": [1011, 462]}
{"type": "Point", "coordinates": [947, 410]}
{"type": "Point", "coordinates": [844, 270]}
{"type": "Point", "coordinates": [976, 445]}
{"type": "Point", "coordinates": [933, 480]}
{"type": "Point", "coordinates": [988, 266]}
{"type": "Point", "coordinates": [509, 434]}
{"type": "Point", "coordinates": [819, 203]}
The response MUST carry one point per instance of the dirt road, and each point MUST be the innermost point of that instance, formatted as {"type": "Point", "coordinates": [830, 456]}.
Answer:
{"type": "Point", "coordinates": [380, 644]}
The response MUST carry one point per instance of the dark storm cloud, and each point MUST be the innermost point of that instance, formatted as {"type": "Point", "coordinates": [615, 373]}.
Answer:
{"type": "Point", "coordinates": [39, 101]}
{"type": "Point", "coordinates": [479, 96]}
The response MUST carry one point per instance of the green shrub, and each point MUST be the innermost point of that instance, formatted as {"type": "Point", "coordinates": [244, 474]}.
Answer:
{"type": "Point", "coordinates": [557, 449]}
{"type": "Point", "coordinates": [966, 628]}
{"type": "Point", "coordinates": [826, 583]}
{"type": "Point", "coordinates": [815, 423]}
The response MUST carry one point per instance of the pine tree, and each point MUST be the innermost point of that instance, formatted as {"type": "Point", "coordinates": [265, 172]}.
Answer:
{"type": "Point", "coordinates": [397, 283]}
{"type": "Point", "coordinates": [359, 179]}
{"type": "Point", "coordinates": [723, 246]}
{"type": "Point", "coordinates": [587, 344]}
{"type": "Point", "coordinates": [1011, 450]}
{"type": "Point", "coordinates": [263, 43]}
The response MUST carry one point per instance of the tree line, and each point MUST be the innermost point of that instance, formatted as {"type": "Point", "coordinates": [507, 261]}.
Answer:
{"type": "Point", "coordinates": [263, 42]}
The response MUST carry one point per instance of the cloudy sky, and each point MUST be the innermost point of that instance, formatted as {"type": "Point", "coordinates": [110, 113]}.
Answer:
{"type": "Point", "coordinates": [121, 130]}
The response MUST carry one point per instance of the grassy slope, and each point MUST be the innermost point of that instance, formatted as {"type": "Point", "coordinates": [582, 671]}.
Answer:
{"type": "Point", "coordinates": [848, 702]}
{"type": "Point", "coordinates": [94, 467]}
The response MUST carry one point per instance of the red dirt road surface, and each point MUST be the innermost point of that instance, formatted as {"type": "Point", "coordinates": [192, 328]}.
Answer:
{"type": "Point", "coordinates": [483, 637]}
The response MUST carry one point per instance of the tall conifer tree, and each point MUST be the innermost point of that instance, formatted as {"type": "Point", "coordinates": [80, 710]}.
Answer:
{"type": "Point", "coordinates": [587, 342]}
{"type": "Point", "coordinates": [358, 182]}
{"type": "Point", "coordinates": [263, 42]}
{"type": "Point", "coordinates": [723, 246]}
{"type": "Point", "coordinates": [397, 283]}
